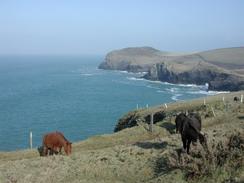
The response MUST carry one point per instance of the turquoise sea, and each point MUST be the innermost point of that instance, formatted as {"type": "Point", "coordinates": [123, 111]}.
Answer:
{"type": "Point", "coordinates": [70, 94]}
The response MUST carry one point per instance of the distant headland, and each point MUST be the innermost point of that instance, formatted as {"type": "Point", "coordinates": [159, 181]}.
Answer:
{"type": "Point", "coordinates": [222, 69]}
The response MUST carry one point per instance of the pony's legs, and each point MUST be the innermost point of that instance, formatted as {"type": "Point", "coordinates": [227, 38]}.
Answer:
{"type": "Point", "coordinates": [60, 149]}
{"type": "Point", "coordinates": [45, 150]}
{"type": "Point", "coordinates": [188, 146]}
{"type": "Point", "coordinates": [184, 143]}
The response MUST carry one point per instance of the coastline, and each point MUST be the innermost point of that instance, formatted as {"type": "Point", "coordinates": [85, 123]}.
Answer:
{"type": "Point", "coordinates": [139, 76]}
{"type": "Point", "coordinates": [218, 68]}
{"type": "Point", "coordinates": [142, 78]}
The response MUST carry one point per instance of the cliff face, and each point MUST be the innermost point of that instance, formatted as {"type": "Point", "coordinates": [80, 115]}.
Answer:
{"type": "Point", "coordinates": [223, 69]}
{"type": "Point", "coordinates": [218, 79]}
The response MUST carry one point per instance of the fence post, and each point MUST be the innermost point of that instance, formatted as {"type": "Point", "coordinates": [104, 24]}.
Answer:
{"type": "Point", "coordinates": [241, 98]}
{"type": "Point", "coordinates": [223, 99]}
{"type": "Point", "coordinates": [30, 139]}
{"type": "Point", "coordinates": [151, 123]}
{"type": "Point", "coordinates": [147, 106]}
{"type": "Point", "coordinates": [213, 112]}
{"type": "Point", "coordinates": [204, 102]}
{"type": "Point", "coordinates": [165, 105]}
{"type": "Point", "coordinates": [137, 107]}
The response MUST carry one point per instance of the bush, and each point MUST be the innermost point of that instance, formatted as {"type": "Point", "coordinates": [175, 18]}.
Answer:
{"type": "Point", "coordinates": [228, 153]}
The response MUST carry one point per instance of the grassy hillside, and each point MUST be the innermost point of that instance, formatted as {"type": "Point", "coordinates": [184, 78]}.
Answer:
{"type": "Point", "coordinates": [232, 56]}
{"type": "Point", "coordinates": [146, 55]}
{"type": "Point", "coordinates": [227, 58]}
{"type": "Point", "coordinates": [137, 155]}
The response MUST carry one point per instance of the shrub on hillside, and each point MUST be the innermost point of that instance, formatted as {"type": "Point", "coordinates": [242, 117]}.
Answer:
{"type": "Point", "coordinates": [227, 153]}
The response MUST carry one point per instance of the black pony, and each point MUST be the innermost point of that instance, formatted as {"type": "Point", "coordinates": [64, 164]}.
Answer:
{"type": "Point", "coordinates": [190, 130]}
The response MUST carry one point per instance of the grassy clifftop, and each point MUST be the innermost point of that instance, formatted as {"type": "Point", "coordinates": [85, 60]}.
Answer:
{"type": "Point", "coordinates": [137, 155]}
{"type": "Point", "coordinates": [143, 57]}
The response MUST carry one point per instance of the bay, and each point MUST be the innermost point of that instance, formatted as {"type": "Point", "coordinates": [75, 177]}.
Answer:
{"type": "Point", "coordinates": [70, 94]}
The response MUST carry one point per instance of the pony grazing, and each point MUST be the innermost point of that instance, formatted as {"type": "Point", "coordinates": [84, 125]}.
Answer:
{"type": "Point", "coordinates": [53, 142]}
{"type": "Point", "coordinates": [190, 130]}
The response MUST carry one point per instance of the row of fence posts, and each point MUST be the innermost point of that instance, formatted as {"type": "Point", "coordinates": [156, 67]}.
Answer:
{"type": "Point", "coordinates": [204, 102]}
{"type": "Point", "coordinates": [223, 99]}
{"type": "Point", "coordinates": [147, 106]}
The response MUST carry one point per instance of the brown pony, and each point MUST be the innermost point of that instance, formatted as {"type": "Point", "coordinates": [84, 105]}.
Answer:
{"type": "Point", "coordinates": [54, 142]}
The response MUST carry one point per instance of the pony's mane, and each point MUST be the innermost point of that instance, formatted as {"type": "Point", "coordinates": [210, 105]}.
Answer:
{"type": "Point", "coordinates": [62, 136]}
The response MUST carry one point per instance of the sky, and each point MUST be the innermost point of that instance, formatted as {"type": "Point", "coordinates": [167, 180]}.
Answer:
{"type": "Point", "coordinates": [75, 27]}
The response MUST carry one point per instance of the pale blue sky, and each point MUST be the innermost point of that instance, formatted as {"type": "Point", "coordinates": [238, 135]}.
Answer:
{"type": "Point", "coordinates": [98, 26]}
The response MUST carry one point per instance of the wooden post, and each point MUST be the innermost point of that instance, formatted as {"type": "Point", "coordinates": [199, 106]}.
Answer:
{"type": "Point", "coordinates": [213, 112]}
{"type": "Point", "coordinates": [241, 98]}
{"type": "Point", "coordinates": [166, 106]}
{"type": "Point", "coordinates": [204, 101]}
{"type": "Point", "coordinates": [30, 139]}
{"type": "Point", "coordinates": [151, 123]}
{"type": "Point", "coordinates": [223, 99]}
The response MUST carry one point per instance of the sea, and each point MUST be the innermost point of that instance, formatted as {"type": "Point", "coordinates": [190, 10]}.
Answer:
{"type": "Point", "coordinates": [41, 94]}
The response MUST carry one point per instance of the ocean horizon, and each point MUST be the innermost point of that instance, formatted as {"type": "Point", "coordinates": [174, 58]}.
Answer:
{"type": "Point", "coordinates": [70, 94]}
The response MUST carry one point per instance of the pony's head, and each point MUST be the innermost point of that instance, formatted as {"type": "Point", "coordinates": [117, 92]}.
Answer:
{"type": "Point", "coordinates": [41, 151]}
{"type": "Point", "coordinates": [68, 148]}
{"type": "Point", "coordinates": [203, 140]}
{"type": "Point", "coordinates": [179, 120]}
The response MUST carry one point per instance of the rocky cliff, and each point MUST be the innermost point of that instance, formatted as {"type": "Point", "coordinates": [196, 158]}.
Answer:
{"type": "Point", "coordinates": [198, 73]}
{"type": "Point", "coordinates": [223, 69]}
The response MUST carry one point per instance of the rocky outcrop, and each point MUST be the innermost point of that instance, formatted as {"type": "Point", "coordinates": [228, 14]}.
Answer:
{"type": "Point", "coordinates": [223, 69]}
{"type": "Point", "coordinates": [133, 118]}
